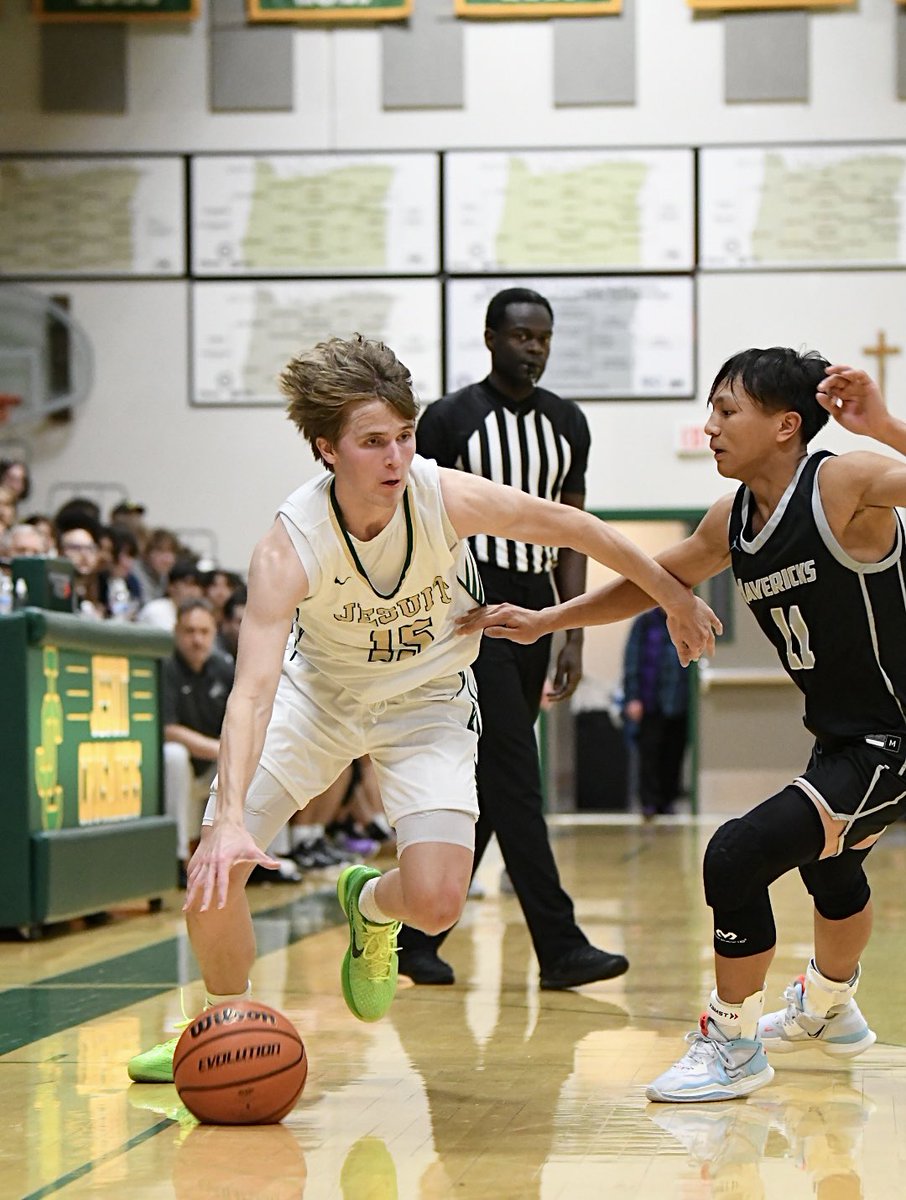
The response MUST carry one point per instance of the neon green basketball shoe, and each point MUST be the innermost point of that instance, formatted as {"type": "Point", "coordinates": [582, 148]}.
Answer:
{"type": "Point", "coordinates": [154, 1065]}
{"type": "Point", "coordinates": [370, 965]}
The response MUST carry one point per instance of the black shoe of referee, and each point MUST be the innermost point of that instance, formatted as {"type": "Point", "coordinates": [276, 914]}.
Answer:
{"type": "Point", "coordinates": [586, 964]}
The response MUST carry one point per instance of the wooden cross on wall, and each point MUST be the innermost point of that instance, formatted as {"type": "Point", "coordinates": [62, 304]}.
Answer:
{"type": "Point", "coordinates": [882, 351]}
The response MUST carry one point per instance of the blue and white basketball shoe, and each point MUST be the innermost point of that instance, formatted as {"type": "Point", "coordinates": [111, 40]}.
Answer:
{"type": "Point", "coordinates": [714, 1067]}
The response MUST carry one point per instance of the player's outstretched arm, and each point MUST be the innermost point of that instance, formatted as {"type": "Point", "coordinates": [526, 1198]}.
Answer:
{"type": "Point", "coordinates": [866, 479]}
{"type": "Point", "coordinates": [276, 584]}
{"type": "Point", "coordinates": [504, 512]}
{"type": "Point", "coordinates": [854, 400]}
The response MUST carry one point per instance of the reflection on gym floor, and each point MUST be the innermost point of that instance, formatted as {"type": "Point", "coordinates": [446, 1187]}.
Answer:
{"type": "Point", "coordinates": [487, 1090]}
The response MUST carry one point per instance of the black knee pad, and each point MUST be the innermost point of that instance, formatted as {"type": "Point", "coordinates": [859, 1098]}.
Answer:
{"type": "Point", "coordinates": [743, 859]}
{"type": "Point", "coordinates": [838, 886]}
{"type": "Point", "coordinates": [732, 866]}
{"type": "Point", "coordinates": [734, 872]}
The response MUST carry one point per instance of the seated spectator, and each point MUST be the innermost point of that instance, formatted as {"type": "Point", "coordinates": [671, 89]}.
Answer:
{"type": "Point", "coordinates": [127, 515]}
{"type": "Point", "coordinates": [8, 517]}
{"type": "Point", "coordinates": [22, 541]}
{"type": "Point", "coordinates": [105, 549]}
{"type": "Point", "coordinates": [14, 474]}
{"type": "Point", "coordinates": [308, 845]}
{"type": "Point", "coordinates": [124, 552]}
{"type": "Point", "coordinates": [196, 683]}
{"type": "Point", "coordinates": [218, 586]}
{"type": "Point", "coordinates": [153, 568]}
{"type": "Point", "coordinates": [79, 543]}
{"type": "Point", "coordinates": [79, 507]}
{"type": "Point", "coordinates": [182, 584]}
{"type": "Point", "coordinates": [233, 612]}
{"type": "Point", "coordinates": [45, 528]}
{"type": "Point", "coordinates": [360, 818]}
{"type": "Point", "coordinates": [197, 680]}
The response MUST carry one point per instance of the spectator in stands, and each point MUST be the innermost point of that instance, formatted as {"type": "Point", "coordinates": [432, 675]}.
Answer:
{"type": "Point", "coordinates": [78, 535]}
{"type": "Point", "coordinates": [124, 552]}
{"type": "Point", "coordinates": [45, 528]}
{"type": "Point", "coordinates": [75, 508]}
{"type": "Point", "coordinates": [105, 549]}
{"type": "Point", "coordinates": [197, 680]}
{"type": "Point", "coordinates": [8, 516]}
{"type": "Point", "coordinates": [127, 515]}
{"type": "Point", "coordinates": [360, 821]}
{"type": "Point", "coordinates": [233, 612]}
{"type": "Point", "coordinates": [22, 541]}
{"type": "Point", "coordinates": [14, 475]}
{"type": "Point", "coordinates": [183, 583]}
{"type": "Point", "coordinates": [152, 569]}
{"type": "Point", "coordinates": [218, 586]}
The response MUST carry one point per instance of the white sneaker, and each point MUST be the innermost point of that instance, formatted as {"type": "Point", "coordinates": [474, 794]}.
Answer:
{"type": "Point", "coordinates": [713, 1068]}
{"type": "Point", "coordinates": [843, 1033]}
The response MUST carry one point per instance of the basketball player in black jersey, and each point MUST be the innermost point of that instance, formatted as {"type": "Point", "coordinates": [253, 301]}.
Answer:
{"type": "Point", "coordinates": [817, 550]}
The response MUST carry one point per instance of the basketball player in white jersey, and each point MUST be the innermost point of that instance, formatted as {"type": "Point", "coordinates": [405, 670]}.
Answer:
{"type": "Point", "coordinates": [368, 566]}
{"type": "Point", "coordinates": [818, 551]}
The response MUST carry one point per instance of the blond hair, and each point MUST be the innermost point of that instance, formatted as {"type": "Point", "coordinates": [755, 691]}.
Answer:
{"type": "Point", "coordinates": [322, 384]}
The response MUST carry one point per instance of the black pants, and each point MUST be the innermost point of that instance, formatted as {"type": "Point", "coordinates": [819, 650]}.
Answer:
{"type": "Point", "coordinates": [510, 680]}
{"type": "Point", "coordinates": [662, 745]}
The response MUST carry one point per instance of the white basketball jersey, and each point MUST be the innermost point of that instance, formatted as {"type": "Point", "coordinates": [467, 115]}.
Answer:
{"type": "Point", "coordinates": [379, 616]}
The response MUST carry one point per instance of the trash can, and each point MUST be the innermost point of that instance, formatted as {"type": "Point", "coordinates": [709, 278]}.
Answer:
{"type": "Point", "coordinates": [602, 763]}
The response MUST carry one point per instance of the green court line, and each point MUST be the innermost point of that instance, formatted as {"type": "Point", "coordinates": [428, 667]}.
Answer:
{"type": "Point", "coordinates": [48, 1006]}
{"type": "Point", "coordinates": [93, 1164]}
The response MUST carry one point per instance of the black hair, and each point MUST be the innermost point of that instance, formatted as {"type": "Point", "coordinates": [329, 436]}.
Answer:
{"type": "Point", "coordinates": [122, 539]}
{"type": "Point", "coordinates": [78, 508]}
{"type": "Point", "coordinates": [77, 518]}
{"type": "Point", "coordinates": [779, 379]}
{"type": "Point", "coordinates": [496, 313]}
{"type": "Point", "coordinates": [208, 577]}
{"type": "Point", "coordinates": [183, 568]}
{"type": "Point", "coordinates": [6, 463]}
{"type": "Point", "coordinates": [193, 602]}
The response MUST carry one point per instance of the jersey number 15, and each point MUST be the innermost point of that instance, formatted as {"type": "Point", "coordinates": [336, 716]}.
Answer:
{"type": "Point", "coordinates": [410, 639]}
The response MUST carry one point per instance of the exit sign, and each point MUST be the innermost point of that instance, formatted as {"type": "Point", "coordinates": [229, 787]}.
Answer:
{"type": "Point", "coordinates": [691, 439]}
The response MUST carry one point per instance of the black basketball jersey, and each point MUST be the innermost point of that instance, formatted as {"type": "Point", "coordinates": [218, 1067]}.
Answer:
{"type": "Point", "coordinates": [838, 625]}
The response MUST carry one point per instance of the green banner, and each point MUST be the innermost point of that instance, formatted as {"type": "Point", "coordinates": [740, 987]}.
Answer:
{"type": "Point", "coordinates": [329, 12]}
{"type": "Point", "coordinates": [115, 10]}
{"type": "Point", "coordinates": [537, 8]}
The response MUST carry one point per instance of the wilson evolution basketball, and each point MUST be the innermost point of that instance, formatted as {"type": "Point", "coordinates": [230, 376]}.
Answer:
{"type": "Point", "coordinates": [241, 1063]}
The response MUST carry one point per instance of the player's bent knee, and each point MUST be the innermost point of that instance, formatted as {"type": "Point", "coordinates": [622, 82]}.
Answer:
{"type": "Point", "coordinates": [730, 865]}
{"type": "Point", "coordinates": [838, 886]}
{"type": "Point", "coordinates": [437, 911]}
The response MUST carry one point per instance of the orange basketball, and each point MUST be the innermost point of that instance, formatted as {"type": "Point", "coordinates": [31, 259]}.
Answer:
{"type": "Point", "coordinates": [241, 1063]}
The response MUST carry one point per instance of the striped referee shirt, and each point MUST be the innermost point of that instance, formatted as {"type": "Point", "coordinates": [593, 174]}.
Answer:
{"type": "Point", "coordinates": [539, 445]}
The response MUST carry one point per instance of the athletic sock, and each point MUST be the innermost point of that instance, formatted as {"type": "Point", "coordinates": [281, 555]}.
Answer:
{"type": "Point", "coordinates": [736, 1020]}
{"type": "Point", "coordinates": [822, 996]}
{"type": "Point", "coordinates": [368, 905]}
{"type": "Point", "coordinates": [211, 1001]}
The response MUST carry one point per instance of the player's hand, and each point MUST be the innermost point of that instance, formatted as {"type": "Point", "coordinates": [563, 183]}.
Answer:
{"type": "Point", "coordinates": [220, 849]}
{"type": "Point", "coordinates": [692, 630]}
{"type": "Point", "coordinates": [568, 672]}
{"type": "Point", "coordinates": [854, 400]}
{"type": "Point", "coordinates": [509, 621]}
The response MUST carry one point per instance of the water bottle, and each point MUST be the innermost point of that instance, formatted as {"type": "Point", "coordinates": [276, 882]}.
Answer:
{"type": "Point", "coordinates": [20, 591]}
{"type": "Point", "coordinates": [7, 594]}
{"type": "Point", "coordinates": [119, 601]}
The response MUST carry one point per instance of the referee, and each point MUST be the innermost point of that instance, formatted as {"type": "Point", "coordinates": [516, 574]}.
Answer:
{"type": "Point", "coordinates": [511, 431]}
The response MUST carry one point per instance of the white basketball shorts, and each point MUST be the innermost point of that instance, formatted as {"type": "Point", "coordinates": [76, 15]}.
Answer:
{"type": "Point", "coordinates": [423, 745]}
